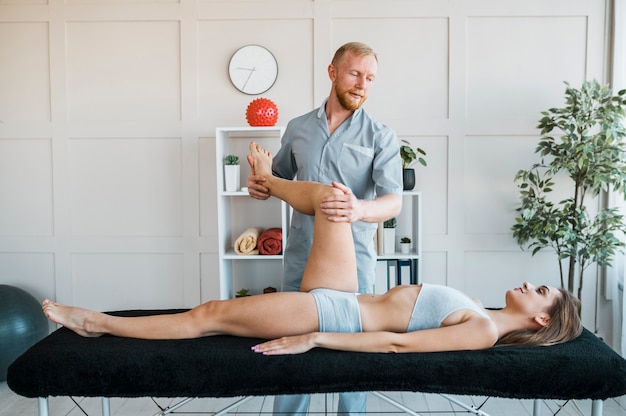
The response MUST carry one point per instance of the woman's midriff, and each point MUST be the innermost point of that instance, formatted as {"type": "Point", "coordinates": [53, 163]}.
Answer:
{"type": "Point", "coordinates": [390, 311]}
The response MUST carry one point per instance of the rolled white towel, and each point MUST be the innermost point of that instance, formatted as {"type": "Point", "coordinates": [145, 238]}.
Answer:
{"type": "Point", "coordinates": [246, 243]}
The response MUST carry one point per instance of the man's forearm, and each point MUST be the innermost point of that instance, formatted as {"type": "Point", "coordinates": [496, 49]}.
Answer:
{"type": "Point", "coordinates": [381, 208]}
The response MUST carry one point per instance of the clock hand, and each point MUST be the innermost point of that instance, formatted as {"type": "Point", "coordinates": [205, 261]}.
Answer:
{"type": "Point", "coordinates": [248, 79]}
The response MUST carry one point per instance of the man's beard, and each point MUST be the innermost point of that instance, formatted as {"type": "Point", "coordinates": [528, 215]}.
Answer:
{"type": "Point", "coordinates": [346, 101]}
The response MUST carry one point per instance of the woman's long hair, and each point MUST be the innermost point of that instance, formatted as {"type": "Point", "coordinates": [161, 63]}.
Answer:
{"type": "Point", "coordinates": [565, 325]}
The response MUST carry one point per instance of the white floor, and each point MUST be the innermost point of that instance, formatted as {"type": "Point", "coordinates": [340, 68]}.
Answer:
{"type": "Point", "coordinates": [422, 404]}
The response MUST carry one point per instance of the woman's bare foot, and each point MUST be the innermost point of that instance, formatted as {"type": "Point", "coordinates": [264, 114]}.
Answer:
{"type": "Point", "coordinates": [261, 160]}
{"type": "Point", "coordinates": [77, 319]}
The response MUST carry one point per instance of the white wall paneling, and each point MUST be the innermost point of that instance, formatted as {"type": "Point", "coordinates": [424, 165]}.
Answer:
{"type": "Point", "coordinates": [108, 112]}
{"type": "Point", "coordinates": [123, 71]}
{"type": "Point", "coordinates": [25, 67]}
{"type": "Point", "coordinates": [26, 187]}
{"type": "Point", "coordinates": [126, 187]}
{"type": "Point", "coordinates": [111, 281]}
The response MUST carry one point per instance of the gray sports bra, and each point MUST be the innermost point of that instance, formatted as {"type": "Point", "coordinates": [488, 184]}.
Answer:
{"type": "Point", "coordinates": [435, 303]}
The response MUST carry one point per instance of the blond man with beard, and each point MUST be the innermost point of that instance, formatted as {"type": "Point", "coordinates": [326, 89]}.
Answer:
{"type": "Point", "coordinates": [342, 144]}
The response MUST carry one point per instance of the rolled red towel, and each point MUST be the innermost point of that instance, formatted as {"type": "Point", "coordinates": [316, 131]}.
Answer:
{"type": "Point", "coordinates": [270, 242]}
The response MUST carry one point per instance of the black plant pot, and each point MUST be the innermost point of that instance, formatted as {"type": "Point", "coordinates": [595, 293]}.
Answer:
{"type": "Point", "coordinates": [408, 179]}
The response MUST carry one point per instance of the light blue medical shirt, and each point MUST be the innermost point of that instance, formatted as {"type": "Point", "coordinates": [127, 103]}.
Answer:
{"type": "Point", "coordinates": [363, 154]}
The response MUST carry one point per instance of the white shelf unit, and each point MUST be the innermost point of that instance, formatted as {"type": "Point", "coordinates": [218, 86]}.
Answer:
{"type": "Point", "coordinates": [237, 211]}
{"type": "Point", "coordinates": [409, 224]}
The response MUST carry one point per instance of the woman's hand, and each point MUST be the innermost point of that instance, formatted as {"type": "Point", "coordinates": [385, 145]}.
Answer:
{"type": "Point", "coordinates": [286, 345]}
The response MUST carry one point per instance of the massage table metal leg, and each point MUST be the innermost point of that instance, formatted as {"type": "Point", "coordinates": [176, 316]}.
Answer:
{"type": "Point", "coordinates": [596, 407]}
{"type": "Point", "coordinates": [106, 406]}
{"type": "Point", "coordinates": [43, 406]}
{"type": "Point", "coordinates": [536, 407]}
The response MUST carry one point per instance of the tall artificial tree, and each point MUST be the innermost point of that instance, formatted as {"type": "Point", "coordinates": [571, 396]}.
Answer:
{"type": "Point", "coordinates": [585, 142]}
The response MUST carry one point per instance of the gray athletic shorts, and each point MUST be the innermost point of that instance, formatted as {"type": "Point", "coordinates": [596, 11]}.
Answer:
{"type": "Point", "coordinates": [337, 311]}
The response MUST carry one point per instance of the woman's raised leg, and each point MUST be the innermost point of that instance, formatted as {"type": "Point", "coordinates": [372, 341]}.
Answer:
{"type": "Point", "coordinates": [332, 262]}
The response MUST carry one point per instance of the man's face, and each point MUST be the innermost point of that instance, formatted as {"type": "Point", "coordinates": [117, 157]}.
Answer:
{"type": "Point", "coordinates": [352, 78]}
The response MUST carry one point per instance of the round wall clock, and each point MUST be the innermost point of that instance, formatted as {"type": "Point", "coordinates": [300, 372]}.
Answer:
{"type": "Point", "coordinates": [253, 69]}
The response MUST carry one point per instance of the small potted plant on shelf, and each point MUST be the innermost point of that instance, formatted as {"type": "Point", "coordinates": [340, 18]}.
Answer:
{"type": "Point", "coordinates": [389, 235]}
{"type": "Point", "coordinates": [405, 245]}
{"type": "Point", "coordinates": [242, 293]}
{"type": "Point", "coordinates": [231, 173]}
{"type": "Point", "coordinates": [409, 156]}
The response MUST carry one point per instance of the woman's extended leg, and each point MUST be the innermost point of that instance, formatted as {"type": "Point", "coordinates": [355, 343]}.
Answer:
{"type": "Point", "coordinates": [332, 262]}
{"type": "Point", "coordinates": [270, 315]}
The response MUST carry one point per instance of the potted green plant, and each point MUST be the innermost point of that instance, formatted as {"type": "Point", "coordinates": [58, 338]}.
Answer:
{"type": "Point", "coordinates": [405, 245]}
{"type": "Point", "coordinates": [242, 293]}
{"type": "Point", "coordinates": [409, 156]}
{"type": "Point", "coordinates": [389, 235]}
{"type": "Point", "coordinates": [590, 150]}
{"type": "Point", "coordinates": [231, 173]}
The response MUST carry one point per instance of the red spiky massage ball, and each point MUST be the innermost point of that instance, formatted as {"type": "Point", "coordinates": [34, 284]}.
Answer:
{"type": "Point", "coordinates": [262, 112]}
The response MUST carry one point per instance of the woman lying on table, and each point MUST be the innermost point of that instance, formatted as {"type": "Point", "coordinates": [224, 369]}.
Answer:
{"type": "Point", "coordinates": [328, 313]}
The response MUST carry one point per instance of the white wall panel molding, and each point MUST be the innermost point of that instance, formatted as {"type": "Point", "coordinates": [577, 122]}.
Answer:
{"type": "Point", "coordinates": [528, 8]}
{"type": "Point", "coordinates": [392, 9]}
{"type": "Point", "coordinates": [504, 66]}
{"type": "Point", "coordinates": [453, 224]}
{"type": "Point", "coordinates": [26, 201]}
{"type": "Point", "coordinates": [18, 11]}
{"type": "Point", "coordinates": [121, 2]}
{"type": "Point", "coordinates": [115, 280]}
{"type": "Point", "coordinates": [60, 162]}
{"type": "Point", "coordinates": [191, 128]}
{"type": "Point", "coordinates": [437, 8]}
{"type": "Point", "coordinates": [122, 71]}
{"type": "Point", "coordinates": [96, 245]}
{"type": "Point", "coordinates": [255, 10]}
{"type": "Point", "coordinates": [25, 67]}
{"type": "Point", "coordinates": [123, 129]}
{"type": "Point", "coordinates": [108, 11]}
{"type": "Point", "coordinates": [25, 130]}
{"type": "Point", "coordinates": [126, 187]}
{"type": "Point", "coordinates": [324, 48]}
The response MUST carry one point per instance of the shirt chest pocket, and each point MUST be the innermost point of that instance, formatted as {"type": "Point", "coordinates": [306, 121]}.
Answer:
{"type": "Point", "coordinates": [355, 158]}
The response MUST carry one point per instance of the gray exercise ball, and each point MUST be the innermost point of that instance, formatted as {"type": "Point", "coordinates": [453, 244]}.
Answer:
{"type": "Point", "coordinates": [22, 324]}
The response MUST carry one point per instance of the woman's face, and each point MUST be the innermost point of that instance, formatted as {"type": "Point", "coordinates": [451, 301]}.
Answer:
{"type": "Point", "coordinates": [532, 299]}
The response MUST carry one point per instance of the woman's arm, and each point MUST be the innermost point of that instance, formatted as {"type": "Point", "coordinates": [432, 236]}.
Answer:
{"type": "Point", "coordinates": [475, 333]}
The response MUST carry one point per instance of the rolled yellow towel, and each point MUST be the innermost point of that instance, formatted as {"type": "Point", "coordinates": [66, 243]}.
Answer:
{"type": "Point", "coordinates": [246, 242]}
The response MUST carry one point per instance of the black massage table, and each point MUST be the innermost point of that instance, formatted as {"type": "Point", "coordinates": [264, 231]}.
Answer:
{"type": "Point", "coordinates": [65, 364]}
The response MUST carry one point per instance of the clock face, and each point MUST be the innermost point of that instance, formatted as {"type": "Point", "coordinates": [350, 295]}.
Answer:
{"type": "Point", "coordinates": [253, 69]}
